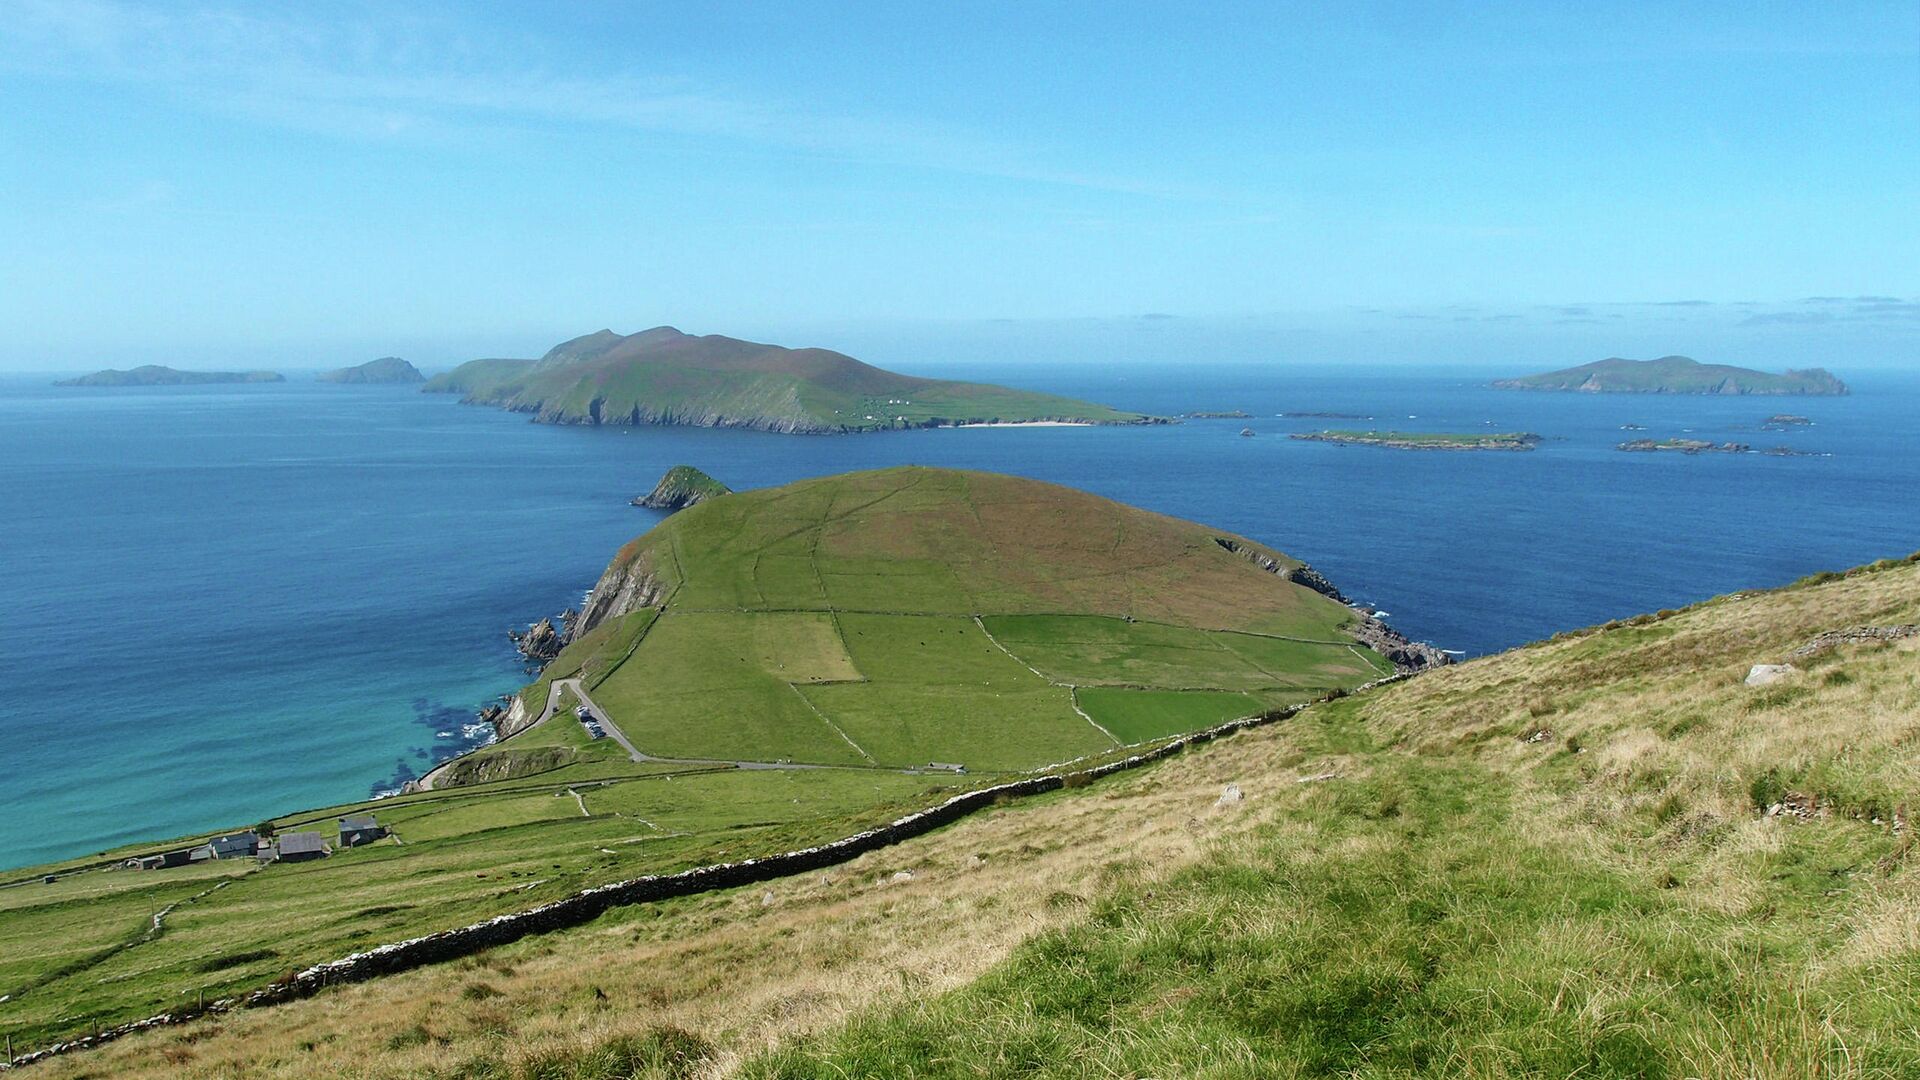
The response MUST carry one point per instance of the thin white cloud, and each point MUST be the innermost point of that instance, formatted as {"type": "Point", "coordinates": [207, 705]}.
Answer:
{"type": "Point", "coordinates": [403, 77]}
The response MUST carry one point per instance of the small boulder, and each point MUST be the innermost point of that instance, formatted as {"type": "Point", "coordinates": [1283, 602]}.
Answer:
{"type": "Point", "coordinates": [1768, 674]}
{"type": "Point", "coordinates": [1228, 796]}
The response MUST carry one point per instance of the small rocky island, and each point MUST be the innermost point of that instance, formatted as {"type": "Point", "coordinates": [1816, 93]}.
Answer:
{"type": "Point", "coordinates": [1784, 422]}
{"type": "Point", "coordinates": [388, 370]}
{"type": "Point", "coordinates": [159, 375]}
{"type": "Point", "coordinates": [1676, 375]}
{"type": "Point", "coordinates": [1421, 440]}
{"type": "Point", "coordinates": [681, 487]}
{"type": "Point", "coordinates": [1230, 414]}
{"type": "Point", "coordinates": [1706, 446]}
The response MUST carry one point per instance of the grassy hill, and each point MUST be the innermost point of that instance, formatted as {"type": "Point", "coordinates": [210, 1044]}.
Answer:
{"type": "Point", "coordinates": [788, 662]}
{"type": "Point", "coordinates": [1604, 855]}
{"type": "Point", "coordinates": [1676, 375]}
{"type": "Point", "coordinates": [158, 375]}
{"type": "Point", "coordinates": [662, 376]}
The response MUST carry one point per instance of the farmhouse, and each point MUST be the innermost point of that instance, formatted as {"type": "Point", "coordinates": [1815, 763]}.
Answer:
{"type": "Point", "coordinates": [357, 829]}
{"type": "Point", "coordinates": [301, 846]}
{"type": "Point", "coordinates": [230, 846]}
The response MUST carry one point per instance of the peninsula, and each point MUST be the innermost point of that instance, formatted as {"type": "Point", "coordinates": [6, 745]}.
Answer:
{"type": "Point", "coordinates": [387, 369]}
{"type": "Point", "coordinates": [681, 487]}
{"type": "Point", "coordinates": [1422, 440]}
{"type": "Point", "coordinates": [1677, 375]}
{"type": "Point", "coordinates": [662, 376]}
{"type": "Point", "coordinates": [157, 375]}
{"type": "Point", "coordinates": [778, 668]}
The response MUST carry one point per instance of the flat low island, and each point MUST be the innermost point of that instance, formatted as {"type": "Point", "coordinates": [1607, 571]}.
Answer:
{"type": "Point", "coordinates": [1423, 440]}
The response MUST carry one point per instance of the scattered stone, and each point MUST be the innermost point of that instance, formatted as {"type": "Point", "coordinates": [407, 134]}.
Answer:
{"type": "Point", "coordinates": [1228, 796]}
{"type": "Point", "coordinates": [766, 898]}
{"type": "Point", "coordinates": [1537, 735]}
{"type": "Point", "coordinates": [1795, 804]}
{"type": "Point", "coordinates": [901, 876]}
{"type": "Point", "coordinates": [1768, 674]}
{"type": "Point", "coordinates": [1317, 777]}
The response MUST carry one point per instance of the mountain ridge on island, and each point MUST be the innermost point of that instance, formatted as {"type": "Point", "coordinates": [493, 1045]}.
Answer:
{"type": "Point", "coordinates": [1677, 375]}
{"type": "Point", "coordinates": [161, 375]}
{"type": "Point", "coordinates": [386, 370]}
{"type": "Point", "coordinates": [664, 376]}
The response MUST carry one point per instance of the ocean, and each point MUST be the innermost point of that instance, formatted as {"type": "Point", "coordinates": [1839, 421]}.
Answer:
{"type": "Point", "coordinates": [227, 602]}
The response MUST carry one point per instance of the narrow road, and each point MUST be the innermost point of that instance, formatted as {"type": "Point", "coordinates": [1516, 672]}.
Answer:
{"type": "Point", "coordinates": [613, 731]}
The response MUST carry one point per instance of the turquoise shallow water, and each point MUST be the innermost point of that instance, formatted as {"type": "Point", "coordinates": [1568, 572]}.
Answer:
{"type": "Point", "coordinates": [230, 601]}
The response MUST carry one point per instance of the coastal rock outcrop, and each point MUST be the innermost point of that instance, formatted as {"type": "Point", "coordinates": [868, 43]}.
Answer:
{"type": "Point", "coordinates": [1406, 654]}
{"type": "Point", "coordinates": [681, 487]}
{"type": "Point", "coordinates": [539, 643]}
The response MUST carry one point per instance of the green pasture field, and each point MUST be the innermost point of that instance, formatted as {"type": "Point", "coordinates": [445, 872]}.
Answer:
{"type": "Point", "coordinates": [1140, 715]}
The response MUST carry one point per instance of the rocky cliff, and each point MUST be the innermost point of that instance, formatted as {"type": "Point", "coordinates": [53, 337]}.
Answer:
{"type": "Point", "coordinates": [628, 585]}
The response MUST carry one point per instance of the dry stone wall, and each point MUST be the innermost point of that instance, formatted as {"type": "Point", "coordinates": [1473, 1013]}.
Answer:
{"type": "Point", "coordinates": [585, 906]}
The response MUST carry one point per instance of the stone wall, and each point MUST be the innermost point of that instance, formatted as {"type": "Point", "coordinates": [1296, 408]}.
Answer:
{"type": "Point", "coordinates": [583, 907]}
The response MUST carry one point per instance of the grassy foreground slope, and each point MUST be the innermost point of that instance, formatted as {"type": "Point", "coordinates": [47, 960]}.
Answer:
{"type": "Point", "coordinates": [662, 376]}
{"type": "Point", "coordinates": [1676, 375]}
{"type": "Point", "coordinates": [1604, 856]}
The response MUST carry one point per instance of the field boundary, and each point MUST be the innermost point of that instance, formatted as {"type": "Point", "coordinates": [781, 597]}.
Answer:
{"type": "Point", "coordinates": [589, 904]}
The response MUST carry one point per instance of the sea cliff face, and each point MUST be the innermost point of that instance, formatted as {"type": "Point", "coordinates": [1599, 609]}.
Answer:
{"type": "Point", "coordinates": [627, 586]}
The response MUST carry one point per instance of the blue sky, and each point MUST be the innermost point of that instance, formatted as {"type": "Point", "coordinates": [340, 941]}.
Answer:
{"type": "Point", "coordinates": [303, 184]}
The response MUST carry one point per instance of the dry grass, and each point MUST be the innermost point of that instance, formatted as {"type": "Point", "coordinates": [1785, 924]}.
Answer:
{"type": "Point", "coordinates": [1634, 761]}
{"type": "Point", "coordinates": [747, 968]}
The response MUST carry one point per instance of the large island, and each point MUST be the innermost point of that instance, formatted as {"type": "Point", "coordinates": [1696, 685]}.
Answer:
{"type": "Point", "coordinates": [158, 375]}
{"type": "Point", "coordinates": [1676, 375]}
{"type": "Point", "coordinates": [662, 376]}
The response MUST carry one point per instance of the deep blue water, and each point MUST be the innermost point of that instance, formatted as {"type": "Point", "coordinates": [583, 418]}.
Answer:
{"type": "Point", "coordinates": [223, 602]}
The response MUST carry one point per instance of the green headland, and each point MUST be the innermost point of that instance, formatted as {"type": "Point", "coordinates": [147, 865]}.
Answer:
{"type": "Point", "coordinates": [1676, 375]}
{"type": "Point", "coordinates": [1424, 440]}
{"type": "Point", "coordinates": [158, 375]}
{"type": "Point", "coordinates": [767, 670]}
{"type": "Point", "coordinates": [387, 369]}
{"type": "Point", "coordinates": [662, 376]}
